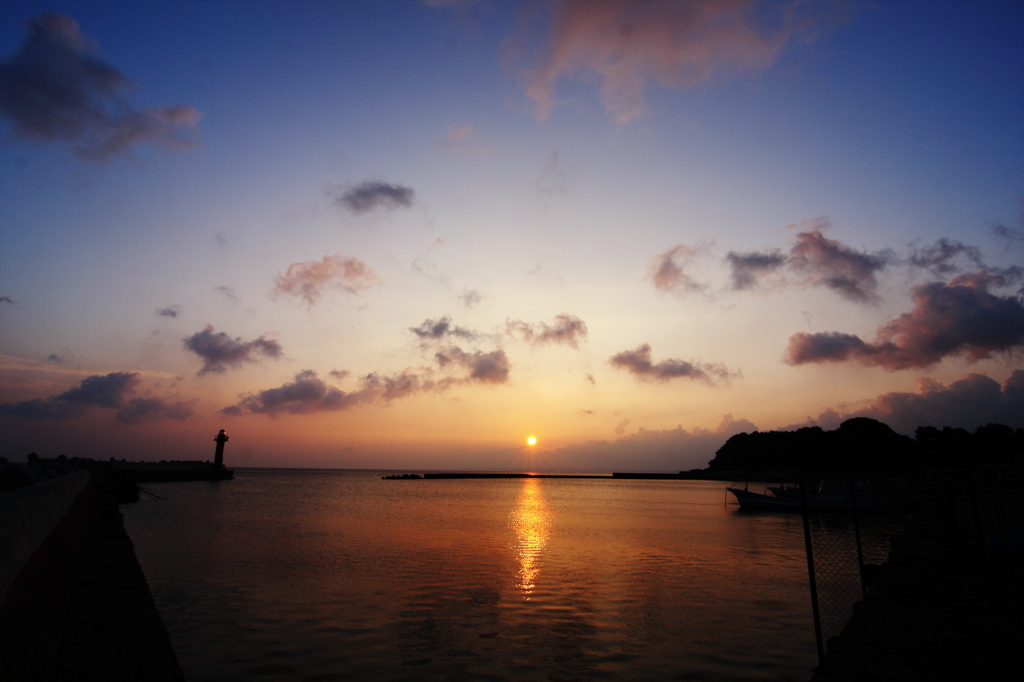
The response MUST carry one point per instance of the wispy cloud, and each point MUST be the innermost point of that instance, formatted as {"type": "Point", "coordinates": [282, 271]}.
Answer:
{"type": "Point", "coordinates": [57, 87]}
{"type": "Point", "coordinates": [308, 280]}
{"type": "Point", "coordinates": [169, 311]}
{"type": "Point", "coordinates": [958, 318]}
{"type": "Point", "coordinates": [109, 391]}
{"type": "Point", "coordinates": [60, 358]}
{"type": "Point", "coordinates": [567, 329]}
{"type": "Point", "coordinates": [7, 299]}
{"type": "Point", "coordinates": [457, 134]}
{"type": "Point", "coordinates": [228, 292]}
{"type": "Point", "coordinates": [139, 410]}
{"type": "Point", "coordinates": [638, 363]}
{"type": "Point", "coordinates": [947, 257]}
{"type": "Point", "coordinates": [470, 297]}
{"type": "Point", "coordinates": [370, 195]}
{"type": "Point", "coordinates": [624, 44]}
{"type": "Point", "coordinates": [219, 351]}
{"type": "Point", "coordinates": [668, 270]}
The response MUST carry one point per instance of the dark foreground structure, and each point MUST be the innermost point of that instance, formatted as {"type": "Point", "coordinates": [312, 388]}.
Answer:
{"type": "Point", "coordinates": [948, 601]}
{"type": "Point", "coordinates": [74, 604]}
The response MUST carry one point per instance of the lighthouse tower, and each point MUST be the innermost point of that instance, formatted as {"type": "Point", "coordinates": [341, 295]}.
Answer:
{"type": "Point", "coordinates": [218, 458]}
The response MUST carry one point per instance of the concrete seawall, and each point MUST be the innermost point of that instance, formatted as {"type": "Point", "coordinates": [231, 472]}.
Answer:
{"type": "Point", "coordinates": [42, 527]}
{"type": "Point", "coordinates": [74, 604]}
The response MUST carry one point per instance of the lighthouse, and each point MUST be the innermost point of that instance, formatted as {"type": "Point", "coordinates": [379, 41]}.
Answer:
{"type": "Point", "coordinates": [218, 458]}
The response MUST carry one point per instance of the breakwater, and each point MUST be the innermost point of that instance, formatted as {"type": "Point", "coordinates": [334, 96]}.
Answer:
{"type": "Point", "coordinates": [169, 472]}
{"type": "Point", "coordinates": [74, 603]}
{"type": "Point", "coordinates": [477, 474]}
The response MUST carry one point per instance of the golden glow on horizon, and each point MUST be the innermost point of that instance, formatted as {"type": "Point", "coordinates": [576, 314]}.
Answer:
{"type": "Point", "coordinates": [532, 440]}
{"type": "Point", "coordinates": [529, 521]}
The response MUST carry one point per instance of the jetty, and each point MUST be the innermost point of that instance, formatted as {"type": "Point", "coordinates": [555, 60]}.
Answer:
{"type": "Point", "coordinates": [74, 603]}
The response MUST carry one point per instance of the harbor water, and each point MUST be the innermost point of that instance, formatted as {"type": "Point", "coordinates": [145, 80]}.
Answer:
{"type": "Point", "coordinates": [339, 575]}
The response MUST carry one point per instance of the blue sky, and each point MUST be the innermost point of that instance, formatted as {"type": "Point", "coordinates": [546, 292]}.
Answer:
{"type": "Point", "coordinates": [531, 168]}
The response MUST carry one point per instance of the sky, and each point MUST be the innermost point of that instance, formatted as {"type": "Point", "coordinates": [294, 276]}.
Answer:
{"type": "Point", "coordinates": [411, 235]}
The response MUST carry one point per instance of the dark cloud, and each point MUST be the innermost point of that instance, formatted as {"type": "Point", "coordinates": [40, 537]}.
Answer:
{"type": "Point", "coordinates": [435, 330]}
{"type": "Point", "coordinates": [6, 299]}
{"type": "Point", "coordinates": [829, 263]}
{"type": "Point", "coordinates": [339, 374]}
{"type": "Point", "coordinates": [567, 329]}
{"type": "Point", "coordinates": [372, 194]}
{"type": "Point", "coordinates": [306, 394]}
{"type": "Point", "coordinates": [1012, 236]}
{"type": "Point", "coordinates": [57, 87]}
{"type": "Point", "coordinates": [960, 318]}
{"type": "Point", "coordinates": [388, 388]}
{"type": "Point", "coordinates": [748, 268]}
{"type": "Point", "coordinates": [219, 351]}
{"type": "Point", "coordinates": [491, 367]}
{"type": "Point", "coordinates": [169, 311]}
{"type": "Point", "coordinates": [150, 409]}
{"type": "Point", "coordinates": [970, 402]}
{"type": "Point", "coordinates": [309, 279]}
{"type": "Point", "coordinates": [638, 363]}
{"type": "Point", "coordinates": [945, 257]}
{"type": "Point", "coordinates": [60, 358]}
{"type": "Point", "coordinates": [668, 273]}
{"type": "Point", "coordinates": [106, 391]}
{"type": "Point", "coordinates": [948, 257]}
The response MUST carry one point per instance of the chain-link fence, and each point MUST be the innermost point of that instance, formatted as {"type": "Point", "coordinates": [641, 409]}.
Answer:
{"type": "Point", "coordinates": [849, 523]}
{"type": "Point", "coordinates": [963, 530]}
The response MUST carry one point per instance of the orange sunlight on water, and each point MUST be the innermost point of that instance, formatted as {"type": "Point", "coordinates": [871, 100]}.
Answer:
{"type": "Point", "coordinates": [529, 521]}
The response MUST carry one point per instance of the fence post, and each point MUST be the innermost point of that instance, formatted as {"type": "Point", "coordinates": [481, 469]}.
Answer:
{"type": "Point", "coordinates": [856, 534]}
{"type": "Point", "coordinates": [810, 570]}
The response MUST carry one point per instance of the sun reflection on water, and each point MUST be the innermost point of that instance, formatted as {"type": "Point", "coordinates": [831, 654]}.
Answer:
{"type": "Point", "coordinates": [530, 521]}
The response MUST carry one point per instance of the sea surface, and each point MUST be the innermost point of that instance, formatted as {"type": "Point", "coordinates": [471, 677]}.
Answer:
{"type": "Point", "coordinates": [339, 575]}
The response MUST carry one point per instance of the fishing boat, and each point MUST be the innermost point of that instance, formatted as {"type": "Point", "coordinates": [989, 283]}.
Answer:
{"type": "Point", "coordinates": [826, 496]}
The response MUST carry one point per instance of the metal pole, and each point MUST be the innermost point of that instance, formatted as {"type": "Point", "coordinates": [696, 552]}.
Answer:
{"type": "Point", "coordinates": [810, 571]}
{"type": "Point", "coordinates": [1008, 563]}
{"type": "Point", "coordinates": [856, 534]}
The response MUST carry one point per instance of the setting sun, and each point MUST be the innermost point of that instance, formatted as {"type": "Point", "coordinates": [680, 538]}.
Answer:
{"type": "Point", "coordinates": [532, 440]}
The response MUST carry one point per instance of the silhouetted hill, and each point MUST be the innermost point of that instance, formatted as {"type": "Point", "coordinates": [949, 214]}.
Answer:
{"type": "Point", "coordinates": [866, 445]}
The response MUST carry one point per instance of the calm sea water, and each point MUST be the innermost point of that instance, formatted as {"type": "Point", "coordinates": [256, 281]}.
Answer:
{"type": "Point", "coordinates": [332, 575]}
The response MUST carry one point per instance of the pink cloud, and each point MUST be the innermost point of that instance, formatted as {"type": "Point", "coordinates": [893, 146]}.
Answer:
{"type": "Point", "coordinates": [308, 280]}
{"type": "Point", "coordinates": [624, 44]}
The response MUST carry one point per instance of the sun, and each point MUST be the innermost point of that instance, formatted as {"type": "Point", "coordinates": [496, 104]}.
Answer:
{"type": "Point", "coordinates": [532, 440]}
